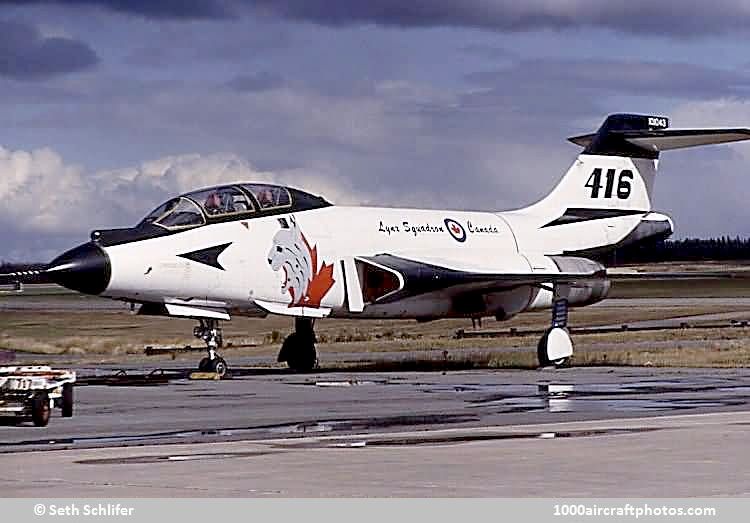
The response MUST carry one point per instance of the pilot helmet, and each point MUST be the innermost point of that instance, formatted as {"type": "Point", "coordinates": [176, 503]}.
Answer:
{"type": "Point", "coordinates": [213, 201]}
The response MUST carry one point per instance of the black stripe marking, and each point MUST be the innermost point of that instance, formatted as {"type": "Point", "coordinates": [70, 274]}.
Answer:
{"type": "Point", "coordinates": [577, 215]}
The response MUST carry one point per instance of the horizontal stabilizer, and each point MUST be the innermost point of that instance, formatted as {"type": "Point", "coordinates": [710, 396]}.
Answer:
{"type": "Point", "coordinates": [583, 140]}
{"type": "Point", "coordinates": [681, 138]}
{"type": "Point", "coordinates": [665, 140]}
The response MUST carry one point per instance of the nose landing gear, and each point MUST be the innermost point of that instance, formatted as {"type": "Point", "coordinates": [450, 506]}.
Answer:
{"type": "Point", "coordinates": [210, 332]}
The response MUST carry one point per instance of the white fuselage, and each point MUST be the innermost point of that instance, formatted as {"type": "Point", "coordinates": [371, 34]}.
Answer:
{"type": "Point", "coordinates": [270, 262]}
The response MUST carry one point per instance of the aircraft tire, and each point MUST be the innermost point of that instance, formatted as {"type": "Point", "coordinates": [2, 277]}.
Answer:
{"type": "Point", "coordinates": [40, 410]}
{"type": "Point", "coordinates": [299, 353]}
{"type": "Point", "coordinates": [219, 366]}
{"type": "Point", "coordinates": [205, 365]}
{"type": "Point", "coordinates": [542, 353]}
{"type": "Point", "coordinates": [67, 400]}
{"type": "Point", "coordinates": [287, 347]}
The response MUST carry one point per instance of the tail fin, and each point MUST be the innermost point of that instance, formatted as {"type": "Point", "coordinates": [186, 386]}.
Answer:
{"type": "Point", "coordinates": [614, 175]}
{"type": "Point", "coordinates": [605, 199]}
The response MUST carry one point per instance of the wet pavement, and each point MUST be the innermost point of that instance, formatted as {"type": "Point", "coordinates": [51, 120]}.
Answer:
{"type": "Point", "coordinates": [571, 432]}
{"type": "Point", "coordinates": [264, 404]}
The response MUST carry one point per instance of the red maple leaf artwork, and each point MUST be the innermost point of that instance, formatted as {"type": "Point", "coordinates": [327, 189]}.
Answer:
{"type": "Point", "coordinates": [319, 286]}
{"type": "Point", "coordinates": [455, 228]}
{"type": "Point", "coordinates": [321, 280]}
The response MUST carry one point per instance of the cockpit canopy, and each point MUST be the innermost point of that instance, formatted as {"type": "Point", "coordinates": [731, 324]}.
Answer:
{"type": "Point", "coordinates": [227, 202]}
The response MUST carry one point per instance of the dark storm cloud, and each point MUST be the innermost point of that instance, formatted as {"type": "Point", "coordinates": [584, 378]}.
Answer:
{"type": "Point", "coordinates": [675, 17]}
{"type": "Point", "coordinates": [186, 9]}
{"type": "Point", "coordinates": [555, 77]}
{"type": "Point", "coordinates": [26, 54]}
{"type": "Point", "coordinates": [684, 18]}
{"type": "Point", "coordinates": [257, 82]}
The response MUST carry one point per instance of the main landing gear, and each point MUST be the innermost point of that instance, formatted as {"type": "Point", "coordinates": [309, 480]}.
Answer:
{"type": "Point", "coordinates": [556, 347]}
{"type": "Point", "coordinates": [210, 332]}
{"type": "Point", "coordinates": [298, 349]}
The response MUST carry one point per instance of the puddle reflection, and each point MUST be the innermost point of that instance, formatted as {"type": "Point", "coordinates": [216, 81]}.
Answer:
{"type": "Point", "coordinates": [634, 397]}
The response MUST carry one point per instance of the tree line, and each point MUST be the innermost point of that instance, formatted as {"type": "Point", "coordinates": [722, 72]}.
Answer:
{"type": "Point", "coordinates": [723, 248]}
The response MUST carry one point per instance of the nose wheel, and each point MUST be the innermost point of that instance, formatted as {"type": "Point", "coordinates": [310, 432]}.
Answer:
{"type": "Point", "coordinates": [217, 365]}
{"type": "Point", "coordinates": [209, 331]}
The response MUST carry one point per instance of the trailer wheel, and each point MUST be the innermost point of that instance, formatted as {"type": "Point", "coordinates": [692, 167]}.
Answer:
{"type": "Point", "coordinates": [67, 400]}
{"type": "Point", "coordinates": [40, 410]}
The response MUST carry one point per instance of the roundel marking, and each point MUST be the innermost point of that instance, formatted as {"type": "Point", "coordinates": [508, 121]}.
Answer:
{"type": "Point", "coordinates": [455, 229]}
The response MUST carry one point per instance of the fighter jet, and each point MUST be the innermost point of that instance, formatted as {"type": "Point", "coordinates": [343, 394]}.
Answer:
{"type": "Point", "coordinates": [257, 249]}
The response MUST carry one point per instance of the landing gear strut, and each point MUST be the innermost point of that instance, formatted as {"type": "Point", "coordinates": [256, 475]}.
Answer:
{"type": "Point", "coordinates": [556, 347]}
{"type": "Point", "coordinates": [210, 332]}
{"type": "Point", "coordinates": [298, 349]}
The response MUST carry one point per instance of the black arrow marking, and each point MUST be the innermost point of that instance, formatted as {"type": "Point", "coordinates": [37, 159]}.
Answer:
{"type": "Point", "coordinates": [208, 256]}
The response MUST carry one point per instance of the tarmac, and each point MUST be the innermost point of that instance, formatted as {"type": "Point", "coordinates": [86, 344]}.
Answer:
{"type": "Point", "coordinates": [604, 432]}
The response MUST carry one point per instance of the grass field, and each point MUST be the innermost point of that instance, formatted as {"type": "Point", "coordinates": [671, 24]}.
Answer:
{"type": "Point", "coordinates": [730, 288]}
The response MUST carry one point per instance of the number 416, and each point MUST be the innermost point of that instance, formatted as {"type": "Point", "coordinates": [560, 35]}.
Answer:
{"type": "Point", "coordinates": [623, 183]}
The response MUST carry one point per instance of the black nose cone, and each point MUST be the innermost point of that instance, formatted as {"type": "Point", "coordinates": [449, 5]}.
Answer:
{"type": "Point", "coordinates": [84, 269]}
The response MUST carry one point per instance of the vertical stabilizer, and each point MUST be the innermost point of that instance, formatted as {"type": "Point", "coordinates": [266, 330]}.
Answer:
{"type": "Point", "coordinates": [608, 191]}
{"type": "Point", "coordinates": [611, 175]}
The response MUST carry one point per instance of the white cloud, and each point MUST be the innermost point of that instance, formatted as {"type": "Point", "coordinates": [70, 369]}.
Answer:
{"type": "Point", "coordinates": [47, 204]}
{"type": "Point", "coordinates": [704, 188]}
{"type": "Point", "coordinates": [38, 192]}
{"type": "Point", "coordinates": [42, 196]}
{"type": "Point", "coordinates": [722, 112]}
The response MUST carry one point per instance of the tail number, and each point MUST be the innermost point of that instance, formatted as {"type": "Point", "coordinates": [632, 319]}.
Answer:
{"type": "Point", "coordinates": [623, 183]}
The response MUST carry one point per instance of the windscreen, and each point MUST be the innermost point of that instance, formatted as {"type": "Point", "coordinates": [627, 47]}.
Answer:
{"type": "Point", "coordinates": [178, 213]}
{"type": "Point", "coordinates": [160, 211]}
